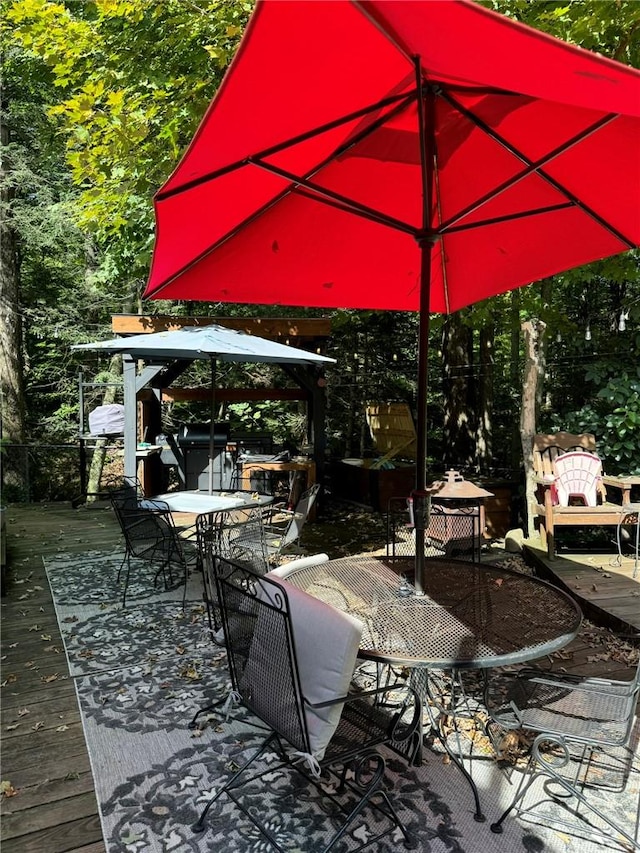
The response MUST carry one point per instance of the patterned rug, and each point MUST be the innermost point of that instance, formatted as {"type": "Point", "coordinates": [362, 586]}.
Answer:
{"type": "Point", "coordinates": [142, 673]}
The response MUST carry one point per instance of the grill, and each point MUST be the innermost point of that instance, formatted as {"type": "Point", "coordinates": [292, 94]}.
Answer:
{"type": "Point", "coordinates": [193, 444]}
{"type": "Point", "coordinates": [197, 436]}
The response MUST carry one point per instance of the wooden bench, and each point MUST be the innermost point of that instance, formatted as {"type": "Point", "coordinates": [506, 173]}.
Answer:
{"type": "Point", "coordinates": [545, 449]}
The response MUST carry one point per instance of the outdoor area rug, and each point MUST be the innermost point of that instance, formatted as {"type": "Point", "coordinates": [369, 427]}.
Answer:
{"type": "Point", "coordinates": [141, 674]}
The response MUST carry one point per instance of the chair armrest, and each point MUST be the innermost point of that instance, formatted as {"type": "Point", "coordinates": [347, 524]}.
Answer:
{"type": "Point", "coordinates": [399, 731]}
{"type": "Point", "coordinates": [621, 485]}
{"type": "Point", "coordinates": [548, 480]}
{"type": "Point", "coordinates": [570, 681]}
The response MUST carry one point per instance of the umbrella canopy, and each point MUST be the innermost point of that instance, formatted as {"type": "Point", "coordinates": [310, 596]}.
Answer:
{"type": "Point", "coordinates": [206, 342]}
{"type": "Point", "coordinates": [399, 155]}
{"type": "Point", "coordinates": [304, 184]}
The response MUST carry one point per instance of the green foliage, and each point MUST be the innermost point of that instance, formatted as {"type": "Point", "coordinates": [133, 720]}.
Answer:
{"type": "Point", "coordinates": [133, 81]}
{"type": "Point", "coordinates": [104, 97]}
{"type": "Point", "coordinates": [609, 27]}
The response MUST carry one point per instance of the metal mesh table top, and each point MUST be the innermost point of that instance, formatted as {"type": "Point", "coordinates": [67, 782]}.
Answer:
{"type": "Point", "coordinates": [470, 616]}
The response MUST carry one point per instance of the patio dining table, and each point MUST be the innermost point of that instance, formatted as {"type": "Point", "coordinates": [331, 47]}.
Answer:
{"type": "Point", "coordinates": [471, 616]}
{"type": "Point", "coordinates": [203, 503]}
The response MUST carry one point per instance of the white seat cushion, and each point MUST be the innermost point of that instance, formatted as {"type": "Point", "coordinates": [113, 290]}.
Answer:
{"type": "Point", "coordinates": [326, 642]}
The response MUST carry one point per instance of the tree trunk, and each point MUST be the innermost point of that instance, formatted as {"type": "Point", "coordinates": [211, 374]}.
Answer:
{"type": "Point", "coordinates": [534, 337]}
{"type": "Point", "coordinates": [100, 450]}
{"type": "Point", "coordinates": [459, 426]}
{"type": "Point", "coordinates": [484, 436]}
{"type": "Point", "coordinates": [11, 355]}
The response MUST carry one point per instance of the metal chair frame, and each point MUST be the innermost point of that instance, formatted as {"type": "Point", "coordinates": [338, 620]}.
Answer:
{"type": "Point", "coordinates": [248, 601]}
{"type": "Point", "coordinates": [151, 536]}
{"type": "Point", "coordinates": [276, 536]}
{"type": "Point", "coordinates": [577, 720]}
{"type": "Point", "coordinates": [222, 534]}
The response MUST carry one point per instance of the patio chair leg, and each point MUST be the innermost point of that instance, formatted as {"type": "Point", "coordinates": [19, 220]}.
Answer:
{"type": "Point", "coordinates": [572, 792]}
{"type": "Point", "coordinates": [199, 825]}
{"type": "Point", "coordinates": [126, 580]}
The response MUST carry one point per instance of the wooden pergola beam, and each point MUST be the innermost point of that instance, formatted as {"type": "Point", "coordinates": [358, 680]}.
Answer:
{"type": "Point", "coordinates": [273, 328]}
{"type": "Point", "coordinates": [228, 395]}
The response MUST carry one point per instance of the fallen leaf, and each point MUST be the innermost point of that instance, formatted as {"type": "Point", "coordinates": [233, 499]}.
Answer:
{"type": "Point", "coordinates": [7, 789]}
{"type": "Point", "coordinates": [48, 678]}
{"type": "Point", "coordinates": [62, 728]}
{"type": "Point", "coordinates": [22, 712]}
{"type": "Point", "coordinates": [34, 627]}
{"type": "Point", "coordinates": [12, 727]}
{"type": "Point", "coordinates": [46, 637]}
{"type": "Point", "coordinates": [37, 726]}
{"type": "Point", "coordinates": [10, 679]}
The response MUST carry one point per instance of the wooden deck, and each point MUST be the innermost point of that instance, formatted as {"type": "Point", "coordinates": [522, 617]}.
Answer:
{"type": "Point", "coordinates": [608, 594]}
{"type": "Point", "coordinates": [44, 756]}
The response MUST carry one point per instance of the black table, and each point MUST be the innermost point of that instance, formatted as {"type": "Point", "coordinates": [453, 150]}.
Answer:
{"type": "Point", "coordinates": [470, 615]}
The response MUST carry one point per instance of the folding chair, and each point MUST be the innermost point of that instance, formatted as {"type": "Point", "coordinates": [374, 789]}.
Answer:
{"type": "Point", "coordinates": [584, 727]}
{"type": "Point", "coordinates": [291, 658]}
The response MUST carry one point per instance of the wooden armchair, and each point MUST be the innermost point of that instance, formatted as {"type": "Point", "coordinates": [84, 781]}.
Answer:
{"type": "Point", "coordinates": [548, 508]}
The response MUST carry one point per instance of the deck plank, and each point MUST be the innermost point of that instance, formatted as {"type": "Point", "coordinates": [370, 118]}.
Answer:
{"type": "Point", "coordinates": [55, 808]}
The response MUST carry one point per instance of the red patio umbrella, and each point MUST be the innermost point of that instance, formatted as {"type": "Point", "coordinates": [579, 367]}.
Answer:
{"type": "Point", "coordinates": [399, 155]}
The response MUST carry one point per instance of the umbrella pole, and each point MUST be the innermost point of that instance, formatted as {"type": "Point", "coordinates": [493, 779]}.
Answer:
{"type": "Point", "coordinates": [426, 131]}
{"type": "Point", "coordinates": [420, 495]}
{"type": "Point", "coordinates": [212, 430]}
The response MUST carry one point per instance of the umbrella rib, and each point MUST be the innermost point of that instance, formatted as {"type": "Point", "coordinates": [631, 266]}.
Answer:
{"type": "Point", "coordinates": [533, 166]}
{"type": "Point", "coordinates": [509, 217]}
{"type": "Point", "coordinates": [529, 163]}
{"type": "Point", "coordinates": [275, 149]}
{"type": "Point", "coordinates": [334, 199]}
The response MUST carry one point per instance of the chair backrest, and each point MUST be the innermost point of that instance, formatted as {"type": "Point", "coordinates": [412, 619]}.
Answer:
{"type": "Point", "coordinates": [300, 515]}
{"type": "Point", "coordinates": [241, 537]}
{"type": "Point", "coordinates": [547, 448]}
{"type": "Point", "coordinates": [149, 534]}
{"type": "Point", "coordinates": [287, 651]}
{"type": "Point", "coordinates": [577, 474]}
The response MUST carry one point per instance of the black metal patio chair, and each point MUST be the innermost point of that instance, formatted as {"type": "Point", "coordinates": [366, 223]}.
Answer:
{"type": "Point", "coordinates": [291, 659]}
{"type": "Point", "coordinates": [584, 726]}
{"type": "Point", "coordinates": [221, 534]}
{"type": "Point", "coordinates": [151, 537]}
